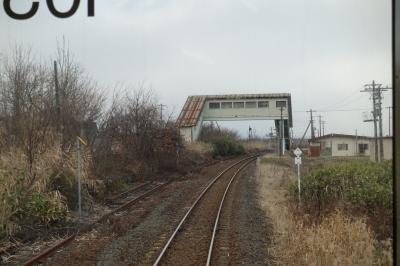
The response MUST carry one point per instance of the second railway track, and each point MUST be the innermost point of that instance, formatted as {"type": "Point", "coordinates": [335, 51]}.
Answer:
{"type": "Point", "coordinates": [120, 203]}
{"type": "Point", "coordinates": [192, 241]}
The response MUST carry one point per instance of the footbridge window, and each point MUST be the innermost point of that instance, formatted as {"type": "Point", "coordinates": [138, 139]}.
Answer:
{"type": "Point", "coordinates": [226, 105]}
{"type": "Point", "coordinates": [280, 104]}
{"type": "Point", "coordinates": [251, 104]}
{"type": "Point", "coordinates": [214, 105]}
{"type": "Point", "coordinates": [263, 104]}
{"type": "Point", "coordinates": [238, 105]}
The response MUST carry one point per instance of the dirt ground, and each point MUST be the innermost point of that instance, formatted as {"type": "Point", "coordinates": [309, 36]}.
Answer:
{"type": "Point", "coordinates": [244, 233]}
{"type": "Point", "coordinates": [272, 179]}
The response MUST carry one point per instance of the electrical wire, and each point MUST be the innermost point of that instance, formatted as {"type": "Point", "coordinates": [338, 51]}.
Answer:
{"type": "Point", "coordinates": [334, 110]}
{"type": "Point", "coordinates": [346, 97]}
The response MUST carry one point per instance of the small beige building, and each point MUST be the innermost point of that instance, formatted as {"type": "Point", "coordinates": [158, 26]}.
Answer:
{"type": "Point", "coordinates": [337, 145]}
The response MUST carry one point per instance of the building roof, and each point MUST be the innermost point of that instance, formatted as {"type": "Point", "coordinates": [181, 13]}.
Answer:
{"type": "Point", "coordinates": [247, 96]}
{"type": "Point", "coordinates": [191, 111]}
{"type": "Point", "coordinates": [334, 135]}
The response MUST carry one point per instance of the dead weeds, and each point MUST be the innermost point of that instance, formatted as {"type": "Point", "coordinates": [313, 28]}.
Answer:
{"type": "Point", "coordinates": [337, 240]}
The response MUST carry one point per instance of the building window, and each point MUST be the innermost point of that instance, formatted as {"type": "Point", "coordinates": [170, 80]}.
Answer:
{"type": "Point", "coordinates": [238, 105]}
{"type": "Point", "coordinates": [251, 104]}
{"type": "Point", "coordinates": [280, 104]}
{"type": "Point", "coordinates": [214, 105]}
{"type": "Point", "coordinates": [343, 147]}
{"type": "Point", "coordinates": [362, 147]}
{"type": "Point", "coordinates": [263, 104]}
{"type": "Point", "coordinates": [226, 105]}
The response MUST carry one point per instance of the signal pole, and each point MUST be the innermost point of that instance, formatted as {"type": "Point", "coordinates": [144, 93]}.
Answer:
{"type": "Point", "coordinates": [250, 131]}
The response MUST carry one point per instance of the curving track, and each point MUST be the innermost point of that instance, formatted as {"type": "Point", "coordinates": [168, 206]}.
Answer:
{"type": "Point", "coordinates": [192, 241]}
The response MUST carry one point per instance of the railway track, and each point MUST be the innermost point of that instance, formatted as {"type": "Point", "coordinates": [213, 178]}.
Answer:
{"type": "Point", "coordinates": [120, 203]}
{"type": "Point", "coordinates": [192, 241]}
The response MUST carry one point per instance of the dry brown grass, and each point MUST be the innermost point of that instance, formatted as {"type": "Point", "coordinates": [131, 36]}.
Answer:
{"type": "Point", "coordinates": [201, 148]}
{"type": "Point", "coordinates": [337, 240]}
{"type": "Point", "coordinates": [17, 184]}
{"type": "Point", "coordinates": [254, 145]}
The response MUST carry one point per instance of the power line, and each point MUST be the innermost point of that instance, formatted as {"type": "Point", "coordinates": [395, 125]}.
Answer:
{"type": "Point", "coordinates": [332, 110]}
{"type": "Point", "coordinates": [342, 110]}
{"type": "Point", "coordinates": [343, 99]}
{"type": "Point", "coordinates": [349, 102]}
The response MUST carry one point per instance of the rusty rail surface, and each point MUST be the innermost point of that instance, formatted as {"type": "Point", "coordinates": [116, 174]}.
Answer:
{"type": "Point", "coordinates": [210, 184]}
{"type": "Point", "coordinates": [121, 195]}
{"type": "Point", "coordinates": [210, 250]}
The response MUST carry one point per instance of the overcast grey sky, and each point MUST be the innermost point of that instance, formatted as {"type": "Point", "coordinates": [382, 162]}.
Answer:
{"type": "Point", "coordinates": [320, 51]}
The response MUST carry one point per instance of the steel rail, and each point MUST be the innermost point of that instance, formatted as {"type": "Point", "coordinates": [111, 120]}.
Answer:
{"type": "Point", "coordinates": [163, 251]}
{"type": "Point", "coordinates": [129, 203]}
{"type": "Point", "coordinates": [64, 242]}
{"type": "Point", "coordinates": [220, 210]}
{"type": "Point", "coordinates": [123, 194]}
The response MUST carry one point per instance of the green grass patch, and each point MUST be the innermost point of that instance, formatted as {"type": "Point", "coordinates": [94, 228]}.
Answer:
{"type": "Point", "coordinates": [362, 183]}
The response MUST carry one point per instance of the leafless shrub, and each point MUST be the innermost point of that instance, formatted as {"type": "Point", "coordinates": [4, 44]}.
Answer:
{"type": "Point", "coordinates": [31, 114]}
{"type": "Point", "coordinates": [133, 138]}
{"type": "Point", "coordinates": [80, 100]}
{"type": "Point", "coordinates": [25, 104]}
{"type": "Point", "coordinates": [32, 163]}
{"type": "Point", "coordinates": [211, 132]}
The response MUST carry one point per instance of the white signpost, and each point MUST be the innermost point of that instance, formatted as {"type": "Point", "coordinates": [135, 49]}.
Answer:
{"type": "Point", "coordinates": [297, 161]}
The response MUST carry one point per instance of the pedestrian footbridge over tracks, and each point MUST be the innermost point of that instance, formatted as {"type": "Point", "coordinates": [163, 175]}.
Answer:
{"type": "Point", "coordinates": [235, 107]}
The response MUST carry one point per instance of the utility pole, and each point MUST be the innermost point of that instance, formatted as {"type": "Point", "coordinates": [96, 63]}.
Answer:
{"type": "Point", "coordinates": [390, 117]}
{"type": "Point", "coordinates": [356, 143]}
{"type": "Point", "coordinates": [379, 111]}
{"type": "Point", "coordinates": [312, 123]}
{"type": "Point", "coordinates": [320, 126]}
{"type": "Point", "coordinates": [161, 110]}
{"type": "Point", "coordinates": [282, 136]}
{"type": "Point", "coordinates": [323, 128]}
{"type": "Point", "coordinates": [57, 94]}
{"type": "Point", "coordinates": [59, 123]}
{"type": "Point", "coordinates": [376, 91]}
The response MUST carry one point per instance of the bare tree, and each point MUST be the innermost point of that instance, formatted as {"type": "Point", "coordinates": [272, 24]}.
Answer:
{"type": "Point", "coordinates": [133, 137]}
{"type": "Point", "coordinates": [80, 98]}
{"type": "Point", "coordinates": [26, 106]}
